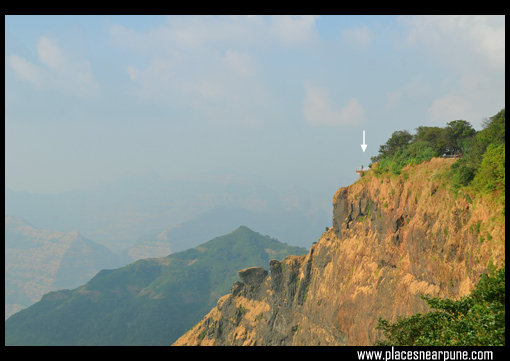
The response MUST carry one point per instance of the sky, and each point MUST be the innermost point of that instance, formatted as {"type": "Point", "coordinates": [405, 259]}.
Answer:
{"type": "Point", "coordinates": [283, 100]}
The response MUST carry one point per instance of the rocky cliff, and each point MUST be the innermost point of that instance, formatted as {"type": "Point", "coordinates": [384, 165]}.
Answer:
{"type": "Point", "coordinates": [393, 239]}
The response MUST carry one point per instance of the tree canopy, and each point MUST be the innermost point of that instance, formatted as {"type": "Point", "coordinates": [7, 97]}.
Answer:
{"type": "Point", "coordinates": [482, 162]}
{"type": "Point", "coordinates": [483, 165]}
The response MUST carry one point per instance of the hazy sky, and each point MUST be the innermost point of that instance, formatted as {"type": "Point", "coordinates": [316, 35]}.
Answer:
{"type": "Point", "coordinates": [283, 99]}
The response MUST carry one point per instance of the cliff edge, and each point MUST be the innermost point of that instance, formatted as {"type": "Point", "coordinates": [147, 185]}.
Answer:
{"type": "Point", "coordinates": [393, 239]}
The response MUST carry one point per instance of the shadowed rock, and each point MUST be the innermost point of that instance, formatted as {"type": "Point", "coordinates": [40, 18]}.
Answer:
{"type": "Point", "coordinates": [253, 276]}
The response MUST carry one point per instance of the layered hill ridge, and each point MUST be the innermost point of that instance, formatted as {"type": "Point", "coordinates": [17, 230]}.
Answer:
{"type": "Point", "coordinates": [292, 225]}
{"type": "Point", "coordinates": [393, 239]}
{"type": "Point", "coordinates": [119, 213]}
{"type": "Point", "coordinates": [149, 302]}
{"type": "Point", "coordinates": [39, 261]}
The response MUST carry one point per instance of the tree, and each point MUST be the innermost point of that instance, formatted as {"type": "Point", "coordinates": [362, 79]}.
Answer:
{"type": "Point", "coordinates": [491, 175]}
{"type": "Point", "coordinates": [494, 129]}
{"type": "Point", "coordinates": [457, 132]}
{"type": "Point", "coordinates": [474, 153]}
{"type": "Point", "coordinates": [435, 136]}
{"type": "Point", "coordinates": [398, 139]}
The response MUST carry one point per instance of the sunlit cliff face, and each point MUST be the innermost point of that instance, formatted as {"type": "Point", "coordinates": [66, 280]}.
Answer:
{"type": "Point", "coordinates": [392, 240]}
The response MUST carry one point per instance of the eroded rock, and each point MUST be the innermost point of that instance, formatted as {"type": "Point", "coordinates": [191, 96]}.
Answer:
{"type": "Point", "coordinates": [253, 276]}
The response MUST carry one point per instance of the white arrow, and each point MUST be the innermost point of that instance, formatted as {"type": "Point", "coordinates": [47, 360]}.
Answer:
{"type": "Point", "coordinates": [363, 146]}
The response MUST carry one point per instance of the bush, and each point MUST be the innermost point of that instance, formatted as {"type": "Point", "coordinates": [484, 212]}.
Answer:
{"type": "Point", "coordinates": [414, 153]}
{"type": "Point", "coordinates": [475, 320]}
{"type": "Point", "coordinates": [484, 158]}
{"type": "Point", "coordinates": [491, 175]}
{"type": "Point", "coordinates": [462, 173]}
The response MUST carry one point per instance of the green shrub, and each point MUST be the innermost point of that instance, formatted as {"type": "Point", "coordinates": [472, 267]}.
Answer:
{"type": "Point", "coordinates": [491, 175]}
{"type": "Point", "coordinates": [414, 153]}
{"type": "Point", "coordinates": [475, 320]}
{"type": "Point", "coordinates": [477, 226]}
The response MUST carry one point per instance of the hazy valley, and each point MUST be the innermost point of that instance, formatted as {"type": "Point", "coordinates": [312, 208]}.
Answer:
{"type": "Point", "coordinates": [118, 214]}
{"type": "Point", "coordinates": [57, 255]}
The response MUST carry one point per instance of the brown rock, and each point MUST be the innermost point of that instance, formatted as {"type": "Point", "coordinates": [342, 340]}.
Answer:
{"type": "Point", "coordinates": [253, 276]}
{"type": "Point", "coordinates": [391, 242]}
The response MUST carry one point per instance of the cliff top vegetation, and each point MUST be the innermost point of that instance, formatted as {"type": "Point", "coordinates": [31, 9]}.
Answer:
{"type": "Point", "coordinates": [480, 167]}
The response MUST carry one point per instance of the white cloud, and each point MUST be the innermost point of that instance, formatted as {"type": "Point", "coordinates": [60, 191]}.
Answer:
{"type": "Point", "coordinates": [222, 78]}
{"type": "Point", "coordinates": [60, 72]}
{"type": "Point", "coordinates": [49, 54]}
{"type": "Point", "coordinates": [472, 51]}
{"type": "Point", "coordinates": [358, 36]}
{"type": "Point", "coordinates": [159, 73]}
{"type": "Point", "coordinates": [450, 107]}
{"type": "Point", "coordinates": [457, 39]}
{"type": "Point", "coordinates": [190, 46]}
{"type": "Point", "coordinates": [415, 88]}
{"type": "Point", "coordinates": [294, 29]}
{"type": "Point", "coordinates": [394, 99]}
{"type": "Point", "coordinates": [197, 33]}
{"type": "Point", "coordinates": [27, 71]}
{"type": "Point", "coordinates": [319, 110]}
{"type": "Point", "coordinates": [238, 63]}
{"type": "Point", "coordinates": [187, 67]}
{"type": "Point", "coordinates": [209, 64]}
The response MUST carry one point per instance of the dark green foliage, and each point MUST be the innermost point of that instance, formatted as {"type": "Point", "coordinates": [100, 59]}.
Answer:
{"type": "Point", "coordinates": [494, 129]}
{"type": "Point", "coordinates": [483, 164]}
{"type": "Point", "coordinates": [414, 153]}
{"type": "Point", "coordinates": [149, 302]}
{"type": "Point", "coordinates": [474, 320]}
{"type": "Point", "coordinates": [398, 139]}
{"type": "Point", "coordinates": [435, 136]}
{"type": "Point", "coordinates": [456, 134]}
{"type": "Point", "coordinates": [491, 175]}
{"type": "Point", "coordinates": [462, 173]}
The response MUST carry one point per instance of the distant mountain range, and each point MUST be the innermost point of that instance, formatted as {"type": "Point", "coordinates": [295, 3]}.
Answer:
{"type": "Point", "coordinates": [39, 261]}
{"type": "Point", "coordinates": [149, 302]}
{"type": "Point", "coordinates": [139, 216]}
{"type": "Point", "coordinates": [294, 226]}
{"type": "Point", "coordinates": [121, 213]}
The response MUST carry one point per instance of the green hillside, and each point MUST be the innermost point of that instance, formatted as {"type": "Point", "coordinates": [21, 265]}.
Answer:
{"type": "Point", "coordinates": [149, 302]}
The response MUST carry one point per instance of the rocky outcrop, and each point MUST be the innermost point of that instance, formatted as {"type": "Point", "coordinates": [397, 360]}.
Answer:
{"type": "Point", "coordinates": [253, 276]}
{"type": "Point", "coordinates": [393, 239]}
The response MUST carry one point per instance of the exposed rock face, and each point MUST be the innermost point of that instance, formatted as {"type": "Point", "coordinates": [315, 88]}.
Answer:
{"type": "Point", "coordinates": [391, 241]}
{"type": "Point", "coordinates": [253, 276]}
